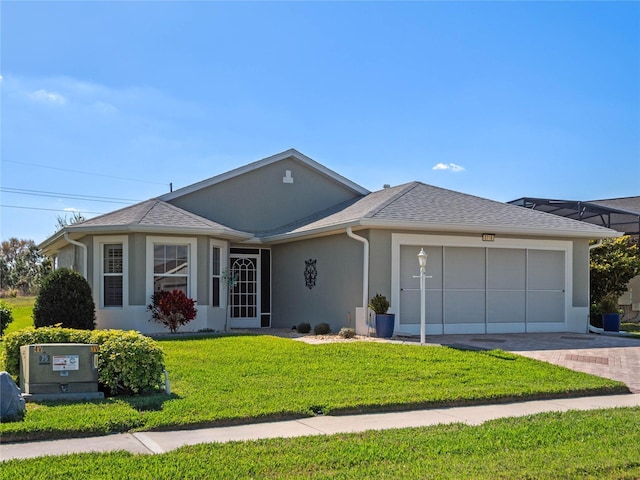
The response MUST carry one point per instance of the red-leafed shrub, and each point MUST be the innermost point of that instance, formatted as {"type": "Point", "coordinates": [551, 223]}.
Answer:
{"type": "Point", "coordinates": [172, 309]}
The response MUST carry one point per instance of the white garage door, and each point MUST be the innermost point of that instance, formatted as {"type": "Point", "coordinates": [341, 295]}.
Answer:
{"type": "Point", "coordinates": [483, 290]}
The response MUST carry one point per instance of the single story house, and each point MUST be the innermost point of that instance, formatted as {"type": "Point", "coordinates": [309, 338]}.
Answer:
{"type": "Point", "coordinates": [286, 240]}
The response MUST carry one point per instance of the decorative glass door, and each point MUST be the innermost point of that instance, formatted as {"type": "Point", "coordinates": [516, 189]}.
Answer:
{"type": "Point", "coordinates": [244, 295]}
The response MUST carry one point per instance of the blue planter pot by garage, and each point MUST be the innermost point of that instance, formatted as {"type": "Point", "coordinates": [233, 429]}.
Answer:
{"type": "Point", "coordinates": [384, 324]}
{"type": "Point", "coordinates": [611, 322]}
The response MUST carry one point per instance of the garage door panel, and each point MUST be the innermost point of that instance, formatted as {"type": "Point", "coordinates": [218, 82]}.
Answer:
{"type": "Point", "coordinates": [410, 306]}
{"type": "Point", "coordinates": [545, 270]}
{"type": "Point", "coordinates": [506, 307]}
{"type": "Point", "coordinates": [464, 267]}
{"type": "Point", "coordinates": [506, 269]}
{"type": "Point", "coordinates": [545, 307]}
{"type": "Point", "coordinates": [409, 267]}
{"type": "Point", "coordinates": [464, 307]}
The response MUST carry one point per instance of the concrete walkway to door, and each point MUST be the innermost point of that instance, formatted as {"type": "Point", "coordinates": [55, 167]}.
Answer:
{"type": "Point", "coordinates": [617, 358]}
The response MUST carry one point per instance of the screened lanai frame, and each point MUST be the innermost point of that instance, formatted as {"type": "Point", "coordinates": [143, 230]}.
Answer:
{"type": "Point", "coordinates": [600, 212]}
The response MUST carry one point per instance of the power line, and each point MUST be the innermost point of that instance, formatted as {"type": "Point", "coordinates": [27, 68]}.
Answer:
{"type": "Point", "coordinates": [84, 173]}
{"type": "Point", "coordinates": [73, 196]}
{"type": "Point", "coordinates": [48, 209]}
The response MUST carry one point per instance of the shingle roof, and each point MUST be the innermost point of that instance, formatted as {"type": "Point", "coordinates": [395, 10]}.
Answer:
{"type": "Point", "coordinates": [155, 213]}
{"type": "Point", "coordinates": [416, 204]}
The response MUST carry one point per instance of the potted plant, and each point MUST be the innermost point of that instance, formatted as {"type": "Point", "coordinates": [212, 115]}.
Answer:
{"type": "Point", "coordinates": [612, 265]}
{"type": "Point", "coordinates": [384, 321]}
{"type": "Point", "coordinates": [610, 314]}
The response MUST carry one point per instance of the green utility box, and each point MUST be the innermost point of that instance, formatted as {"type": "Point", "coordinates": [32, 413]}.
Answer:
{"type": "Point", "coordinates": [51, 371]}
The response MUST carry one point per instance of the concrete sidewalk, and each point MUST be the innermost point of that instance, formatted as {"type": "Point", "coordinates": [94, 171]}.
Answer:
{"type": "Point", "coordinates": [159, 442]}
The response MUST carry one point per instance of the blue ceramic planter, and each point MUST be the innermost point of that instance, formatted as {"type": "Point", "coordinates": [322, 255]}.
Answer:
{"type": "Point", "coordinates": [384, 324]}
{"type": "Point", "coordinates": [611, 322]}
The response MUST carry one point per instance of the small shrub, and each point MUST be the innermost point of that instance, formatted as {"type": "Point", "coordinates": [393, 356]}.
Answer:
{"type": "Point", "coordinates": [6, 316]}
{"type": "Point", "coordinates": [304, 327]}
{"type": "Point", "coordinates": [347, 333]}
{"type": "Point", "coordinates": [322, 329]}
{"type": "Point", "coordinates": [65, 300]}
{"type": "Point", "coordinates": [128, 362]}
{"type": "Point", "coordinates": [379, 304]}
{"type": "Point", "coordinates": [172, 309]}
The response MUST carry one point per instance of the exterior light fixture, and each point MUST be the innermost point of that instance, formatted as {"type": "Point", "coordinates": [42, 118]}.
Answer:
{"type": "Point", "coordinates": [422, 262]}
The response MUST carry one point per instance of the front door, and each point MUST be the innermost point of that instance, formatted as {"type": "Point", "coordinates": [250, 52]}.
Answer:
{"type": "Point", "coordinates": [245, 295]}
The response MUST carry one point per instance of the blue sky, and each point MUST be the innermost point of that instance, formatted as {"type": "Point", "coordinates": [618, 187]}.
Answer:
{"type": "Point", "coordinates": [496, 99]}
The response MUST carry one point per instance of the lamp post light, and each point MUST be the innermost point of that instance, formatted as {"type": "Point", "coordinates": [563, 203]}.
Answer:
{"type": "Point", "coordinates": [422, 261]}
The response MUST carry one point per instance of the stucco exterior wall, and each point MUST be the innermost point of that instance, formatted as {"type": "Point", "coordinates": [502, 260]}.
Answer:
{"type": "Point", "coordinates": [137, 272]}
{"type": "Point", "coordinates": [72, 256]}
{"type": "Point", "coordinates": [260, 201]}
{"type": "Point", "coordinates": [581, 273]}
{"type": "Point", "coordinates": [379, 262]}
{"type": "Point", "coordinates": [338, 289]}
{"type": "Point", "coordinates": [133, 314]}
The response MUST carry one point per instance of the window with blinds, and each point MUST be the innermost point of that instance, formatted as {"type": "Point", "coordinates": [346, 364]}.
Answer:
{"type": "Point", "coordinates": [112, 274]}
{"type": "Point", "coordinates": [215, 274]}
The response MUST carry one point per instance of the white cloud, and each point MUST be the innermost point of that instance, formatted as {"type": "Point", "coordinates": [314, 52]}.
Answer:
{"type": "Point", "coordinates": [448, 166]}
{"type": "Point", "coordinates": [46, 96]}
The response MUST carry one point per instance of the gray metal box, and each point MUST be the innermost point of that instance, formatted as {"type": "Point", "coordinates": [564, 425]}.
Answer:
{"type": "Point", "coordinates": [54, 368]}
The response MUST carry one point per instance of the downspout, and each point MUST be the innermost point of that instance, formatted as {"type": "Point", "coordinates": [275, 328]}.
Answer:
{"type": "Point", "coordinates": [595, 245]}
{"type": "Point", "coordinates": [84, 255]}
{"type": "Point", "coordinates": [365, 268]}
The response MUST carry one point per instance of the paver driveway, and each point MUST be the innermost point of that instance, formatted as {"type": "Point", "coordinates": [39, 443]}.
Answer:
{"type": "Point", "coordinates": [617, 358]}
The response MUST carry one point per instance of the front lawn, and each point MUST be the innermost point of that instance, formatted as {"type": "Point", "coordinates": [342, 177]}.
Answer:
{"type": "Point", "coordinates": [239, 379]}
{"type": "Point", "coordinates": [22, 310]}
{"type": "Point", "coordinates": [593, 444]}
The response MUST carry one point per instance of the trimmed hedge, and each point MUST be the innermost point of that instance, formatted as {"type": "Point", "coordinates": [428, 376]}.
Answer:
{"type": "Point", "coordinates": [65, 300]}
{"type": "Point", "coordinates": [128, 362]}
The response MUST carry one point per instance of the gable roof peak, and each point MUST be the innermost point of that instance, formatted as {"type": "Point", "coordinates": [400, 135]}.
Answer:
{"type": "Point", "coordinates": [290, 153]}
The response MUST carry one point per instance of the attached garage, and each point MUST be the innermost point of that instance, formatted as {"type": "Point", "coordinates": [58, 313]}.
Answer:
{"type": "Point", "coordinates": [503, 286]}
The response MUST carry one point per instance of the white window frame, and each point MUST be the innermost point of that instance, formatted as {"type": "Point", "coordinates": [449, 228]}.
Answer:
{"type": "Point", "coordinates": [224, 264]}
{"type": "Point", "coordinates": [192, 259]}
{"type": "Point", "coordinates": [98, 270]}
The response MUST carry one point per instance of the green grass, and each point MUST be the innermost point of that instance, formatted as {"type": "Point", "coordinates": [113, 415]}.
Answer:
{"type": "Point", "coordinates": [240, 379]}
{"type": "Point", "coordinates": [631, 327]}
{"type": "Point", "coordinates": [22, 311]}
{"type": "Point", "coordinates": [594, 444]}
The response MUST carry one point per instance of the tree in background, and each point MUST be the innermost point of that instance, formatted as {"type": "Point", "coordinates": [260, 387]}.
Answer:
{"type": "Point", "coordinates": [76, 217]}
{"type": "Point", "coordinates": [22, 267]}
{"type": "Point", "coordinates": [65, 299]}
{"type": "Point", "coordinates": [612, 266]}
